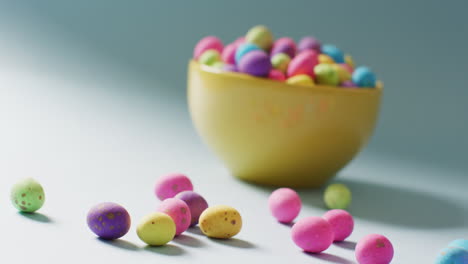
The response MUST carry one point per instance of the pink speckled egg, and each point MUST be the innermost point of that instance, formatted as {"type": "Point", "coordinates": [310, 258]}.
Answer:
{"type": "Point", "coordinates": [229, 52]}
{"type": "Point", "coordinates": [285, 204]}
{"type": "Point", "coordinates": [342, 223]}
{"type": "Point", "coordinates": [312, 234]}
{"type": "Point", "coordinates": [303, 63]}
{"type": "Point", "coordinates": [374, 249]}
{"type": "Point", "coordinates": [206, 43]}
{"type": "Point", "coordinates": [179, 211]}
{"type": "Point", "coordinates": [276, 75]}
{"type": "Point", "coordinates": [171, 184]}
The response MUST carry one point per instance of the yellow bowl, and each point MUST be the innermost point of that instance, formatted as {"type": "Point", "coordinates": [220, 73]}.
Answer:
{"type": "Point", "coordinates": [273, 133]}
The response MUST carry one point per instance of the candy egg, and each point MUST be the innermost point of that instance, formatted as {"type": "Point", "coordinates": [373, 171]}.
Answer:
{"type": "Point", "coordinates": [218, 65]}
{"type": "Point", "coordinates": [256, 63]}
{"type": "Point", "coordinates": [341, 222]}
{"type": "Point", "coordinates": [220, 221]}
{"type": "Point", "coordinates": [309, 43]}
{"type": "Point", "coordinates": [108, 220]}
{"type": "Point", "coordinates": [284, 45]}
{"type": "Point", "coordinates": [280, 61]}
{"type": "Point", "coordinates": [463, 243]}
{"type": "Point", "coordinates": [196, 204]}
{"type": "Point", "coordinates": [373, 249]}
{"type": "Point", "coordinates": [452, 255]}
{"type": "Point", "coordinates": [301, 79]}
{"type": "Point", "coordinates": [27, 195]}
{"type": "Point", "coordinates": [207, 43]}
{"type": "Point", "coordinates": [337, 196]}
{"type": "Point", "coordinates": [334, 52]}
{"type": "Point", "coordinates": [347, 67]}
{"type": "Point", "coordinates": [156, 229]}
{"type": "Point", "coordinates": [312, 234]}
{"type": "Point", "coordinates": [230, 68]}
{"type": "Point", "coordinates": [179, 211]}
{"type": "Point", "coordinates": [324, 58]}
{"type": "Point", "coordinates": [209, 57]}
{"type": "Point", "coordinates": [349, 60]}
{"type": "Point", "coordinates": [303, 63]}
{"type": "Point", "coordinates": [326, 74]}
{"type": "Point", "coordinates": [260, 36]}
{"type": "Point", "coordinates": [364, 77]}
{"type": "Point", "coordinates": [229, 53]}
{"type": "Point", "coordinates": [343, 74]}
{"type": "Point", "coordinates": [276, 75]}
{"type": "Point", "coordinates": [244, 49]}
{"type": "Point", "coordinates": [171, 184]}
{"type": "Point", "coordinates": [285, 204]}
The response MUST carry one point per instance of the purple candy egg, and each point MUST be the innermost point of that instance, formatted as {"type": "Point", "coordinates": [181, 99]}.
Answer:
{"type": "Point", "coordinates": [196, 203]}
{"type": "Point", "coordinates": [230, 68]}
{"type": "Point", "coordinates": [284, 45]}
{"type": "Point", "coordinates": [348, 84]}
{"type": "Point", "coordinates": [309, 43]}
{"type": "Point", "coordinates": [255, 63]}
{"type": "Point", "coordinates": [108, 220]}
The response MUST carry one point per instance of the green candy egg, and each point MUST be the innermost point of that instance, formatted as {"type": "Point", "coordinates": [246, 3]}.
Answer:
{"type": "Point", "coordinates": [209, 57]}
{"type": "Point", "coordinates": [337, 196]}
{"type": "Point", "coordinates": [218, 65]}
{"type": "Point", "coordinates": [326, 74]}
{"type": "Point", "coordinates": [280, 61]}
{"type": "Point", "coordinates": [260, 36]}
{"type": "Point", "coordinates": [27, 195]}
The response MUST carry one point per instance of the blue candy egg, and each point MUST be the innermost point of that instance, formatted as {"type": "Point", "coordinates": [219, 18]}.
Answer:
{"type": "Point", "coordinates": [462, 243]}
{"type": "Point", "coordinates": [452, 255]}
{"type": "Point", "coordinates": [244, 49]}
{"type": "Point", "coordinates": [364, 77]}
{"type": "Point", "coordinates": [334, 52]}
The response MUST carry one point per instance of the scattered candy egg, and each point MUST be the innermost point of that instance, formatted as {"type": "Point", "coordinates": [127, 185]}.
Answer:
{"type": "Point", "coordinates": [256, 63]}
{"type": "Point", "coordinates": [341, 222]}
{"type": "Point", "coordinates": [324, 58]}
{"type": "Point", "coordinates": [284, 45]}
{"type": "Point", "coordinates": [349, 60]}
{"type": "Point", "coordinates": [108, 220]}
{"type": "Point", "coordinates": [209, 57]}
{"type": "Point", "coordinates": [244, 49]}
{"type": "Point", "coordinates": [463, 243]}
{"type": "Point", "coordinates": [303, 63]}
{"type": "Point", "coordinates": [229, 53]}
{"type": "Point", "coordinates": [195, 202]}
{"type": "Point", "coordinates": [301, 79]}
{"type": "Point", "coordinates": [364, 77]}
{"type": "Point", "coordinates": [452, 255]}
{"type": "Point", "coordinates": [309, 43]}
{"type": "Point", "coordinates": [156, 229]}
{"type": "Point", "coordinates": [374, 249]}
{"type": "Point", "coordinates": [27, 195]}
{"type": "Point", "coordinates": [230, 67]}
{"type": "Point", "coordinates": [280, 61]}
{"type": "Point", "coordinates": [348, 84]}
{"type": "Point", "coordinates": [220, 221]}
{"type": "Point", "coordinates": [285, 204]}
{"type": "Point", "coordinates": [312, 234]}
{"type": "Point", "coordinates": [171, 184]}
{"type": "Point", "coordinates": [179, 211]}
{"type": "Point", "coordinates": [275, 74]}
{"type": "Point", "coordinates": [207, 43]}
{"type": "Point", "coordinates": [337, 196]}
{"type": "Point", "coordinates": [326, 74]}
{"type": "Point", "coordinates": [334, 52]}
{"type": "Point", "coordinates": [343, 73]}
{"type": "Point", "coordinates": [260, 36]}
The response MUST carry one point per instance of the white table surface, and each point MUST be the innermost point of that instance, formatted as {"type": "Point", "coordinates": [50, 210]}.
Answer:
{"type": "Point", "coordinates": [93, 136]}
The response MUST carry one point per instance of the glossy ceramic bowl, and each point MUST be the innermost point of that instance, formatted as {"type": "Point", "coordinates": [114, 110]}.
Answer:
{"type": "Point", "coordinates": [273, 133]}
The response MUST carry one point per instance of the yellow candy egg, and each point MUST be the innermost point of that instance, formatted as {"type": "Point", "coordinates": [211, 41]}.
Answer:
{"type": "Point", "coordinates": [324, 58]}
{"type": "Point", "coordinates": [343, 74]}
{"type": "Point", "coordinates": [220, 221]}
{"type": "Point", "coordinates": [156, 229]}
{"type": "Point", "coordinates": [301, 79]}
{"type": "Point", "coordinates": [349, 60]}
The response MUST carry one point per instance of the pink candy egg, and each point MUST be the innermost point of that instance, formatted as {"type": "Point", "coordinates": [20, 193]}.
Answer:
{"type": "Point", "coordinates": [284, 203]}
{"type": "Point", "coordinates": [229, 53]}
{"type": "Point", "coordinates": [341, 222]}
{"type": "Point", "coordinates": [179, 211]}
{"type": "Point", "coordinates": [374, 249]}
{"type": "Point", "coordinates": [303, 63]}
{"type": "Point", "coordinates": [312, 234]}
{"type": "Point", "coordinates": [171, 184]}
{"type": "Point", "coordinates": [206, 43]}
{"type": "Point", "coordinates": [277, 75]}
{"type": "Point", "coordinates": [284, 45]}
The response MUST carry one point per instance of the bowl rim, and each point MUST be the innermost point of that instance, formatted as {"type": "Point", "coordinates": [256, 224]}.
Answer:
{"type": "Point", "coordinates": [317, 87]}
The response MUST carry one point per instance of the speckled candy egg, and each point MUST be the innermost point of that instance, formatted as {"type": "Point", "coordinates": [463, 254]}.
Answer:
{"type": "Point", "coordinates": [220, 221]}
{"type": "Point", "coordinates": [280, 61]}
{"type": "Point", "coordinates": [312, 234]}
{"type": "Point", "coordinates": [335, 53]}
{"type": "Point", "coordinates": [195, 202]}
{"type": "Point", "coordinates": [27, 195]}
{"type": "Point", "coordinates": [156, 229]}
{"type": "Point", "coordinates": [452, 255]}
{"type": "Point", "coordinates": [207, 43]}
{"type": "Point", "coordinates": [364, 77]}
{"type": "Point", "coordinates": [463, 243]}
{"type": "Point", "coordinates": [108, 220]}
{"type": "Point", "coordinates": [343, 73]}
{"type": "Point", "coordinates": [260, 36]}
{"type": "Point", "coordinates": [309, 43]}
{"type": "Point", "coordinates": [179, 211]}
{"type": "Point", "coordinates": [337, 196]}
{"type": "Point", "coordinates": [301, 79]}
{"type": "Point", "coordinates": [341, 222]}
{"type": "Point", "coordinates": [171, 184]}
{"type": "Point", "coordinates": [209, 57]}
{"type": "Point", "coordinates": [284, 45]}
{"type": "Point", "coordinates": [244, 49]}
{"type": "Point", "coordinates": [374, 249]}
{"type": "Point", "coordinates": [256, 63]}
{"type": "Point", "coordinates": [284, 204]}
{"type": "Point", "coordinates": [303, 63]}
{"type": "Point", "coordinates": [326, 74]}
